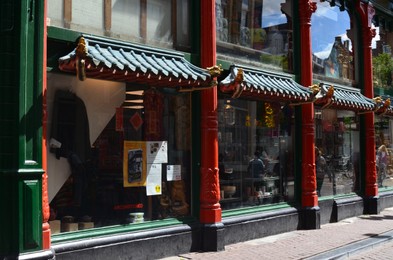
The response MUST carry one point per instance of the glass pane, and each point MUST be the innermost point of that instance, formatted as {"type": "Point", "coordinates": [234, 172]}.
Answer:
{"type": "Point", "coordinates": [384, 151]}
{"type": "Point", "coordinates": [55, 12]}
{"type": "Point", "coordinates": [159, 22]}
{"type": "Point", "coordinates": [331, 47]}
{"type": "Point", "coordinates": [125, 19]}
{"type": "Point", "coordinates": [88, 16]}
{"type": "Point", "coordinates": [183, 25]}
{"type": "Point", "coordinates": [337, 151]}
{"type": "Point", "coordinates": [255, 153]}
{"type": "Point", "coordinates": [255, 31]}
{"type": "Point", "coordinates": [382, 45]}
{"type": "Point", "coordinates": [118, 155]}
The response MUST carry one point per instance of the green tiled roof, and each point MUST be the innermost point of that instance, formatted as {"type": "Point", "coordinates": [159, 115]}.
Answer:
{"type": "Point", "coordinates": [259, 84]}
{"type": "Point", "coordinates": [349, 98]}
{"type": "Point", "coordinates": [116, 60]}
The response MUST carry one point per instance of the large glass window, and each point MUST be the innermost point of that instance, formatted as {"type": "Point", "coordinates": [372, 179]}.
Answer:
{"type": "Point", "coordinates": [255, 152]}
{"type": "Point", "coordinates": [118, 154]}
{"type": "Point", "coordinates": [337, 151]}
{"type": "Point", "coordinates": [331, 48]}
{"type": "Point", "coordinates": [384, 150]}
{"type": "Point", "coordinates": [156, 22]}
{"type": "Point", "coordinates": [255, 31]}
{"type": "Point", "coordinates": [382, 45]}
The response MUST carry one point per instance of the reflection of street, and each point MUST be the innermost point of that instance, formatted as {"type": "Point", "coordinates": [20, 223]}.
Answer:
{"type": "Point", "coordinates": [339, 178]}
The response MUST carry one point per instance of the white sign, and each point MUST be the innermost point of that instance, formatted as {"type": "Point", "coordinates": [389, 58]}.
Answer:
{"type": "Point", "coordinates": [153, 180]}
{"type": "Point", "coordinates": [157, 152]}
{"type": "Point", "coordinates": [173, 172]}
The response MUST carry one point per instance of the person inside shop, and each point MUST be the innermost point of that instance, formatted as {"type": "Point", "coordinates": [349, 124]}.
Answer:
{"type": "Point", "coordinates": [265, 157]}
{"type": "Point", "coordinates": [256, 167]}
{"type": "Point", "coordinates": [320, 164]}
{"type": "Point", "coordinates": [382, 162]}
{"type": "Point", "coordinates": [221, 166]}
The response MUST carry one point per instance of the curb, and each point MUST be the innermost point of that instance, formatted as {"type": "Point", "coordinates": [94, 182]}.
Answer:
{"type": "Point", "coordinates": [346, 251]}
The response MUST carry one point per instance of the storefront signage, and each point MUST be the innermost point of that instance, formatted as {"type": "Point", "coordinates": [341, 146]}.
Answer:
{"type": "Point", "coordinates": [173, 172]}
{"type": "Point", "coordinates": [137, 161]}
{"type": "Point", "coordinates": [153, 182]}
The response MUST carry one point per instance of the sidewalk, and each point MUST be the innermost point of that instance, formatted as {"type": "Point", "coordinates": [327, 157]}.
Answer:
{"type": "Point", "coordinates": [336, 240]}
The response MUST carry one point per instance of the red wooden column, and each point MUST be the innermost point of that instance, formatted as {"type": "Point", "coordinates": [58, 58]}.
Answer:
{"type": "Point", "coordinates": [309, 196]}
{"type": "Point", "coordinates": [366, 13]}
{"type": "Point", "coordinates": [210, 209]}
{"type": "Point", "coordinates": [46, 233]}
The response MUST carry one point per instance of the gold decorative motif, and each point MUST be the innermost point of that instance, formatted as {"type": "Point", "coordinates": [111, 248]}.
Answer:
{"type": "Point", "coordinates": [215, 70]}
{"type": "Point", "coordinates": [378, 100]}
{"type": "Point", "coordinates": [81, 49]}
{"type": "Point", "coordinates": [81, 54]}
{"type": "Point", "coordinates": [315, 89]}
{"type": "Point", "coordinates": [381, 105]}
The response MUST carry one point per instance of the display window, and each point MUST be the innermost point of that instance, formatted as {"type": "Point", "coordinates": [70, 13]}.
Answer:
{"type": "Point", "coordinates": [384, 150]}
{"type": "Point", "coordinates": [119, 154]}
{"type": "Point", "coordinates": [337, 151]}
{"type": "Point", "coordinates": [255, 152]}
{"type": "Point", "coordinates": [257, 32]}
{"type": "Point", "coordinates": [382, 62]}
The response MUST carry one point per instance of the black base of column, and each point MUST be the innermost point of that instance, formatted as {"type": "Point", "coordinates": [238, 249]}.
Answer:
{"type": "Point", "coordinates": [213, 237]}
{"type": "Point", "coordinates": [310, 218]}
{"type": "Point", "coordinates": [371, 205]}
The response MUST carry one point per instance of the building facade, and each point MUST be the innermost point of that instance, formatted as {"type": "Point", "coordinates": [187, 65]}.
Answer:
{"type": "Point", "coordinates": [145, 129]}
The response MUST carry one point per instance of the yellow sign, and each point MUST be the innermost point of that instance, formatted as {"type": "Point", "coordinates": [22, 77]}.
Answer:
{"type": "Point", "coordinates": [134, 164]}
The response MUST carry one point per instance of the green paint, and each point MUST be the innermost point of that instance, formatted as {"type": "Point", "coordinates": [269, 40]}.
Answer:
{"type": "Point", "coordinates": [21, 52]}
{"type": "Point", "coordinates": [61, 34]}
{"type": "Point", "coordinates": [105, 231]}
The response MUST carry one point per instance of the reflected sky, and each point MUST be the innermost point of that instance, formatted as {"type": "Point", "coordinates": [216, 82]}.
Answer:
{"type": "Point", "coordinates": [327, 23]}
{"type": "Point", "coordinates": [271, 14]}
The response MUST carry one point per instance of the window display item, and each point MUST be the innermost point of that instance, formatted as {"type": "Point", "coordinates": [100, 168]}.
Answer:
{"type": "Point", "coordinates": [136, 217]}
{"type": "Point", "coordinates": [178, 197]}
{"type": "Point", "coordinates": [135, 165]}
{"type": "Point", "coordinates": [229, 191]}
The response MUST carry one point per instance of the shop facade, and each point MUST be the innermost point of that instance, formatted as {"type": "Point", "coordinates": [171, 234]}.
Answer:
{"type": "Point", "coordinates": [143, 147]}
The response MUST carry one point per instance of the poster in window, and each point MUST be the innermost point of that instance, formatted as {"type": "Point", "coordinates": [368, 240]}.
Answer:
{"type": "Point", "coordinates": [157, 152]}
{"type": "Point", "coordinates": [137, 154]}
{"type": "Point", "coordinates": [173, 172]}
{"type": "Point", "coordinates": [134, 164]}
{"type": "Point", "coordinates": [153, 183]}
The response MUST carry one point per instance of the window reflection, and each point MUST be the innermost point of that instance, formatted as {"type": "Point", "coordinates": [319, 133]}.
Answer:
{"type": "Point", "coordinates": [163, 23]}
{"type": "Point", "coordinates": [331, 48]}
{"type": "Point", "coordinates": [381, 46]}
{"type": "Point", "coordinates": [255, 152]}
{"type": "Point", "coordinates": [382, 55]}
{"type": "Point", "coordinates": [337, 132]}
{"type": "Point", "coordinates": [257, 31]}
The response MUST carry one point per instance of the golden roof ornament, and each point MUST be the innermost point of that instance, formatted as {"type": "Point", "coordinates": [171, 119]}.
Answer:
{"type": "Point", "coordinates": [81, 54]}
{"type": "Point", "coordinates": [215, 70]}
{"type": "Point", "coordinates": [81, 49]}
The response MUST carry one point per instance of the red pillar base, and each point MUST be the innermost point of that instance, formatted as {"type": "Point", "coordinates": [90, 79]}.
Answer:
{"type": "Point", "coordinates": [210, 215]}
{"type": "Point", "coordinates": [46, 236]}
